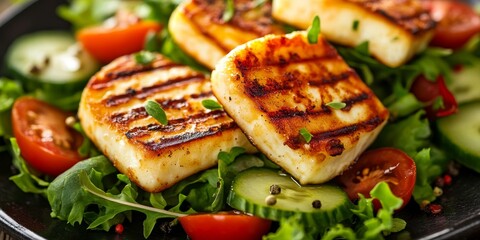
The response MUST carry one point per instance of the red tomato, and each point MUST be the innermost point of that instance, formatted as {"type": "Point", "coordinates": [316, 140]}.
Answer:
{"type": "Point", "coordinates": [45, 141]}
{"type": "Point", "coordinates": [429, 91]}
{"type": "Point", "coordinates": [225, 225]}
{"type": "Point", "coordinates": [384, 164]}
{"type": "Point", "coordinates": [126, 37]}
{"type": "Point", "coordinates": [458, 22]}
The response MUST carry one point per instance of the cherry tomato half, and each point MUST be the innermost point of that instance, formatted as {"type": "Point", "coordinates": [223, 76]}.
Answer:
{"type": "Point", "coordinates": [429, 92]}
{"type": "Point", "coordinates": [224, 225]}
{"type": "Point", "coordinates": [457, 23]}
{"type": "Point", "coordinates": [383, 164]}
{"type": "Point", "coordinates": [44, 139]}
{"type": "Point", "coordinates": [106, 43]}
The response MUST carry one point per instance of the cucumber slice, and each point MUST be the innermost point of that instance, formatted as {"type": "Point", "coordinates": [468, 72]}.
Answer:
{"type": "Point", "coordinates": [466, 84]}
{"type": "Point", "coordinates": [51, 61]}
{"type": "Point", "coordinates": [250, 189]}
{"type": "Point", "coordinates": [460, 134]}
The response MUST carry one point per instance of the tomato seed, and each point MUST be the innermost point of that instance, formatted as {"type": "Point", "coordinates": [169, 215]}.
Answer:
{"type": "Point", "coordinates": [119, 228]}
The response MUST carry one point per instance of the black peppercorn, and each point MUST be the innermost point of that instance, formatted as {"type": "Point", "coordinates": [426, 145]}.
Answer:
{"type": "Point", "coordinates": [275, 189]}
{"type": "Point", "coordinates": [316, 204]}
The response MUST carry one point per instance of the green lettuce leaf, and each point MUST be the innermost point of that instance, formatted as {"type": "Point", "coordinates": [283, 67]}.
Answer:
{"type": "Point", "coordinates": [290, 228]}
{"type": "Point", "coordinates": [26, 179]}
{"type": "Point", "coordinates": [9, 92]}
{"type": "Point", "coordinates": [410, 134]}
{"type": "Point", "coordinates": [369, 225]}
{"type": "Point", "coordinates": [83, 13]}
{"type": "Point", "coordinates": [162, 9]}
{"type": "Point", "coordinates": [95, 182]}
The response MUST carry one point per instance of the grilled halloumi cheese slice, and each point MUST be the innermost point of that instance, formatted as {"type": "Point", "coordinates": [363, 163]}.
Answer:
{"type": "Point", "coordinates": [152, 155]}
{"type": "Point", "coordinates": [395, 29]}
{"type": "Point", "coordinates": [199, 28]}
{"type": "Point", "coordinates": [275, 86]}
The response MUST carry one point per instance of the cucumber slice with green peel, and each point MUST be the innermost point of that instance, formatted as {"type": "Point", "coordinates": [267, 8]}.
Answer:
{"type": "Point", "coordinates": [459, 135]}
{"type": "Point", "coordinates": [51, 61]}
{"type": "Point", "coordinates": [466, 83]}
{"type": "Point", "coordinates": [250, 193]}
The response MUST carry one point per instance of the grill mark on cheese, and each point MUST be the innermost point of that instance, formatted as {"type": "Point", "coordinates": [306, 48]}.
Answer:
{"type": "Point", "coordinates": [296, 142]}
{"type": "Point", "coordinates": [143, 93]}
{"type": "Point", "coordinates": [332, 79]}
{"type": "Point", "coordinates": [288, 82]}
{"type": "Point", "coordinates": [207, 35]}
{"type": "Point", "coordinates": [248, 16]}
{"type": "Point", "coordinates": [139, 113]}
{"type": "Point", "coordinates": [180, 139]}
{"type": "Point", "coordinates": [180, 124]}
{"type": "Point", "coordinates": [126, 70]}
{"type": "Point", "coordinates": [292, 113]}
{"type": "Point", "coordinates": [410, 15]}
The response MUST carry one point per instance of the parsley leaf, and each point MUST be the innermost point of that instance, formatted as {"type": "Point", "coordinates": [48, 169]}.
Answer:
{"type": "Point", "coordinates": [211, 104]}
{"type": "Point", "coordinates": [314, 30]}
{"type": "Point", "coordinates": [336, 105]}
{"type": "Point", "coordinates": [229, 10]}
{"type": "Point", "coordinates": [144, 57]}
{"type": "Point", "coordinates": [156, 111]}
{"type": "Point", "coordinates": [355, 25]}
{"type": "Point", "coordinates": [306, 134]}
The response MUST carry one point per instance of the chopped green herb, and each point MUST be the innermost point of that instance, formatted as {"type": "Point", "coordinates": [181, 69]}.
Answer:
{"type": "Point", "coordinates": [229, 10]}
{"type": "Point", "coordinates": [144, 57]}
{"type": "Point", "coordinates": [306, 135]}
{"type": "Point", "coordinates": [211, 104]}
{"type": "Point", "coordinates": [155, 110]}
{"type": "Point", "coordinates": [336, 105]}
{"type": "Point", "coordinates": [314, 30]}
{"type": "Point", "coordinates": [355, 25]}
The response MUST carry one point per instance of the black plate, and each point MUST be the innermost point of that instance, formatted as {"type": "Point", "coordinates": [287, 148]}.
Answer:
{"type": "Point", "coordinates": [27, 216]}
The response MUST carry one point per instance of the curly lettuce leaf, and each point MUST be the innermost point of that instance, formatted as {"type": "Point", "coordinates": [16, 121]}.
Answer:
{"type": "Point", "coordinates": [207, 191]}
{"type": "Point", "coordinates": [87, 184]}
{"type": "Point", "coordinates": [26, 179]}
{"type": "Point", "coordinates": [431, 163]}
{"type": "Point", "coordinates": [290, 228]}
{"type": "Point", "coordinates": [410, 134]}
{"type": "Point", "coordinates": [9, 92]}
{"type": "Point", "coordinates": [368, 225]}
{"type": "Point", "coordinates": [413, 136]}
